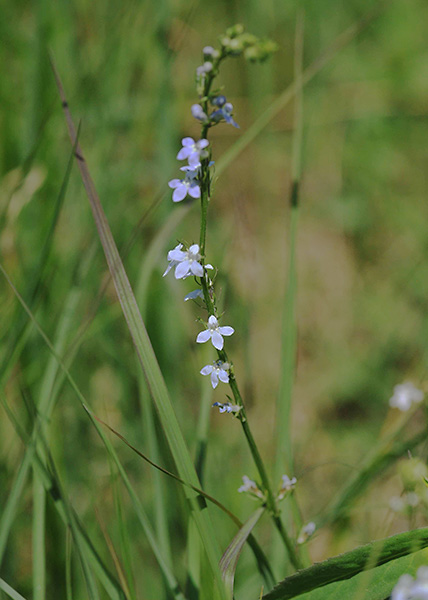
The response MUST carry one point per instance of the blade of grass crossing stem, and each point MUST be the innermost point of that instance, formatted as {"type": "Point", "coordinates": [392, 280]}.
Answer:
{"type": "Point", "coordinates": [147, 357]}
{"type": "Point", "coordinates": [287, 95]}
{"type": "Point", "coordinates": [10, 591]}
{"type": "Point", "coordinates": [144, 520]}
{"type": "Point", "coordinates": [284, 449]}
{"type": "Point", "coordinates": [229, 560]}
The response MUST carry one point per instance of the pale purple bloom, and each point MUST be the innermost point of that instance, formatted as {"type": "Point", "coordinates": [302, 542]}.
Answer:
{"type": "Point", "coordinates": [227, 407]}
{"type": "Point", "coordinates": [204, 69]}
{"type": "Point", "coordinates": [188, 185]}
{"type": "Point", "coordinates": [251, 487]}
{"type": "Point", "coordinates": [210, 52]}
{"type": "Point", "coordinates": [286, 486]}
{"type": "Point", "coordinates": [215, 333]}
{"type": "Point", "coordinates": [193, 295]}
{"type": "Point", "coordinates": [186, 262]}
{"type": "Point", "coordinates": [306, 532]}
{"type": "Point", "coordinates": [193, 151]}
{"type": "Point", "coordinates": [198, 112]}
{"type": "Point", "coordinates": [404, 395]}
{"type": "Point", "coordinates": [408, 588]}
{"type": "Point", "coordinates": [218, 371]}
{"type": "Point", "coordinates": [224, 111]}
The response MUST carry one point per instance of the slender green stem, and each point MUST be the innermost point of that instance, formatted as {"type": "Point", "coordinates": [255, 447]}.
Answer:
{"type": "Point", "coordinates": [210, 303]}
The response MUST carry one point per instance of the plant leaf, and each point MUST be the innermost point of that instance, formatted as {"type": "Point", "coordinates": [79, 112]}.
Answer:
{"type": "Point", "coordinates": [350, 564]}
{"type": "Point", "coordinates": [229, 560]}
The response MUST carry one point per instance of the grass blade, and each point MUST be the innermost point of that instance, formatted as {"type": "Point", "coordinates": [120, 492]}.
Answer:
{"type": "Point", "coordinates": [10, 591]}
{"type": "Point", "coordinates": [229, 560]}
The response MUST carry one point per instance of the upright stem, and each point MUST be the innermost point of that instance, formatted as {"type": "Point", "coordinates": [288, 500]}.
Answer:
{"type": "Point", "coordinates": [209, 299]}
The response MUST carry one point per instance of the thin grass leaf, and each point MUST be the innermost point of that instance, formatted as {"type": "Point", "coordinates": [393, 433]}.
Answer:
{"type": "Point", "coordinates": [125, 543]}
{"type": "Point", "coordinates": [115, 557]}
{"type": "Point", "coordinates": [229, 560]}
{"type": "Point", "coordinates": [146, 354]}
{"type": "Point", "coordinates": [68, 564]}
{"type": "Point", "coordinates": [10, 591]}
{"type": "Point", "coordinates": [350, 564]}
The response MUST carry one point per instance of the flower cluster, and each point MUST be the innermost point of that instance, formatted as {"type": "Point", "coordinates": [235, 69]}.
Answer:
{"type": "Point", "coordinates": [287, 486]}
{"type": "Point", "coordinates": [306, 532]}
{"type": "Point", "coordinates": [250, 487]}
{"type": "Point", "coordinates": [405, 394]}
{"type": "Point", "coordinates": [408, 588]}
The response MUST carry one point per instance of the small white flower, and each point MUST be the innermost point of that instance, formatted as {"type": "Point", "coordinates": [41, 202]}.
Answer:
{"type": "Point", "coordinates": [204, 69]}
{"type": "Point", "coordinates": [215, 333]}
{"type": "Point", "coordinates": [210, 52]}
{"type": "Point", "coordinates": [404, 395]}
{"type": "Point", "coordinates": [286, 486]}
{"type": "Point", "coordinates": [306, 532]}
{"type": "Point", "coordinates": [251, 487]}
{"type": "Point", "coordinates": [218, 371]}
{"type": "Point", "coordinates": [409, 589]}
{"type": "Point", "coordinates": [248, 486]}
{"type": "Point", "coordinates": [227, 407]}
{"type": "Point", "coordinates": [187, 186]}
{"type": "Point", "coordinates": [186, 262]}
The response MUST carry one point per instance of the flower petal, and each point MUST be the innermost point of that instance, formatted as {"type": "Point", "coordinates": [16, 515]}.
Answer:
{"type": "Point", "coordinates": [217, 340]}
{"type": "Point", "coordinates": [212, 321]}
{"type": "Point", "coordinates": [214, 379]}
{"type": "Point", "coordinates": [206, 370]}
{"type": "Point", "coordinates": [194, 191]}
{"type": "Point", "coordinates": [223, 376]}
{"type": "Point", "coordinates": [202, 144]}
{"type": "Point", "coordinates": [188, 141]}
{"type": "Point", "coordinates": [226, 330]}
{"type": "Point", "coordinates": [174, 183]}
{"type": "Point", "coordinates": [179, 193]}
{"type": "Point", "coordinates": [197, 269]}
{"type": "Point", "coordinates": [184, 153]}
{"type": "Point", "coordinates": [182, 270]}
{"type": "Point", "coordinates": [194, 160]}
{"type": "Point", "coordinates": [203, 337]}
{"type": "Point", "coordinates": [177, 255]}
{"type": "Point", "coordinates": [193, 295]}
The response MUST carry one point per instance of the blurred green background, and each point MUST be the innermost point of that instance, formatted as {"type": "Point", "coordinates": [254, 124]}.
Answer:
{"type": "Point", "coordinates": [128, 70]}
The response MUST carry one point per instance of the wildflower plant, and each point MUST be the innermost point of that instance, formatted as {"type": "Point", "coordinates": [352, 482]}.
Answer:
{"type": "Point", "coordinates": [211, 110]}
{"type": "Point", "coordinates": [189, 260]}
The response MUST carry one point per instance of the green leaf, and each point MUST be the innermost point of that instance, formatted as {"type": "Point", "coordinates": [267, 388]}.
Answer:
{"type": "Point", "coordinates": [375, 584]}
{"type": "Point", "coordinates": [350, 564]}
{"type": "Point", "coordinates": [229, 560]}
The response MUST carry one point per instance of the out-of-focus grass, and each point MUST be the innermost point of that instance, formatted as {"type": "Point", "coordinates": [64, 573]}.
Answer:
{"type": "Point", "coordinates": [361, 250]}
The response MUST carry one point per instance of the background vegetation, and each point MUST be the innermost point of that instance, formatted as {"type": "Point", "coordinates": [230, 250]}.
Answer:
{"type": "Point", "coordinates": [128, 70]}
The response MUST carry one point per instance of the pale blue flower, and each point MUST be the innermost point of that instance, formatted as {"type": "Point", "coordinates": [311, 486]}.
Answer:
{"type": "Point", "coordinates": [215, 333]}
{"type": "Point", "coordinates": [193, 151]}
{"type": "Point", "coordinates": [251, 487]}
{"type": "Point", "coordinates": [405, 394]}
{"type": "Point", "coordinates": [224, 111]}
{"type": "Point", "coordinates": [218, 371]}
{"type": "Point", "coordinates": [198, 112]}
{"type": "Point", "coordinates": [194, 295]}
{"type": "Point", "coordinates": [188, 185]}
{"type": "Point", "coordinates": [408, 588]}
{"type": "Point", "coordinates": [186, 262]}
{"type": "Point", "coordinates": [306, 532]}
{"type": "Point", "coordinates": [210, 52]}
{"type": "Point", "coordinates": [204, 69]}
